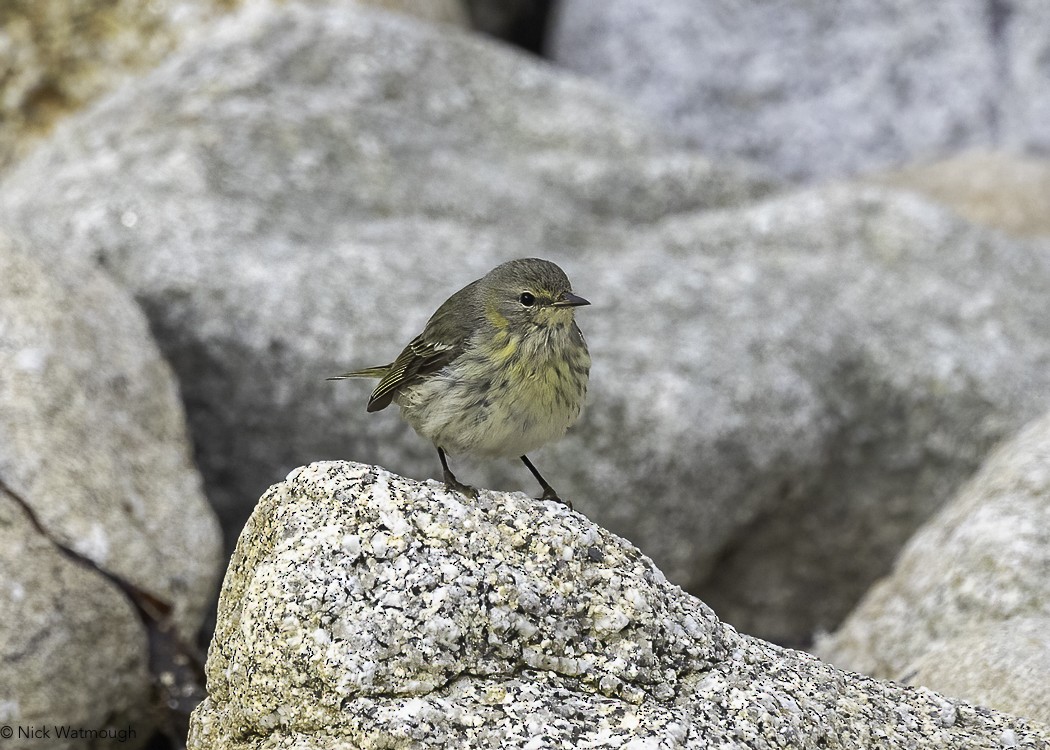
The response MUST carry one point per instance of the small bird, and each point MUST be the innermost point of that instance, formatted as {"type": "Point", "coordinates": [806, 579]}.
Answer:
{"type": "Point", "coordinates": [498, 371]}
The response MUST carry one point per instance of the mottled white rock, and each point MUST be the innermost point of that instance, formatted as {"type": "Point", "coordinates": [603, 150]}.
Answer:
{"type": "Point", "coordinates": [482, 627]}
{"type": "Point", "coordinates": [93, 435]}
{"type": "Point", "coordinates": [967, 608]}
{"type": "Point", "coordinates": [1000, 663]}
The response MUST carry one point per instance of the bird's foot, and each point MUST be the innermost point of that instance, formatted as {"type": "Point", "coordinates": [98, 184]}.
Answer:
{"type": "Point", "coordinates": [454, 485]}
{"type": "Point", "coordinates": [550, 494]}
{"type": "Point", "coordinates": [451, 483]}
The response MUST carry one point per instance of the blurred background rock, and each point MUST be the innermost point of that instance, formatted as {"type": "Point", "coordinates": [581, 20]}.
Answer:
{"type": "Point", "coordinates": [58, 55]}
{"type": "Point", "coordinates": [819, 90]}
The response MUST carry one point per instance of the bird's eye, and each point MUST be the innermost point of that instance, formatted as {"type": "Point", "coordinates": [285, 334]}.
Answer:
{"type": "Point", "coordinates": [527, 299]}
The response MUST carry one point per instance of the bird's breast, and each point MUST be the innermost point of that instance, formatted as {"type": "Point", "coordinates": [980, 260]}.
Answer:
{"type": "Point", "coordinates": [505, 396]}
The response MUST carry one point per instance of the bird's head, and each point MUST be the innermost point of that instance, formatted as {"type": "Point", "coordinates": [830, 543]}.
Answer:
{"type": "Point", "coordinates": [527, 294]}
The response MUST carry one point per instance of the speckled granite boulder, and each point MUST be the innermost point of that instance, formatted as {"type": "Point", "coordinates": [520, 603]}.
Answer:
{"type": "Point", "coordinates": [94, 457]}
{"type": "Point", "coordinates": [834, 364]}
{"type": "Point", "coordinates": [365, 610]}
{"type": "Point", "coordinates": [93, 435]}
{"type": "Point", "coordinates": [967, 608]}
{"type": "Point", "coordinates": [1001, 664]}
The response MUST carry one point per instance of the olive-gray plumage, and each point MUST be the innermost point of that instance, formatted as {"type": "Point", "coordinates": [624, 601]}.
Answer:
{"type": "Point", "coordinates": [500, 368]}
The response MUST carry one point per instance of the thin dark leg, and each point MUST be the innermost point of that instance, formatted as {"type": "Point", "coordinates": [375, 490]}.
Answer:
{"type": "Point", "coordinates": [548, 491]}
{"type": "Point", "coordinates": [450, 479]}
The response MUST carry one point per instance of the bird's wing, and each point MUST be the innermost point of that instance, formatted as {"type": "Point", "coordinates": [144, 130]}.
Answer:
{"type": "Point", "coordinates": [443, 339]}
{"type": "Point", "coordinates": [419, 358]}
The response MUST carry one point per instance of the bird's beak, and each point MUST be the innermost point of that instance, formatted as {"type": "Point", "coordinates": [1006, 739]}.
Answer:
{"type": "Point", "coordinates": [570, 300]}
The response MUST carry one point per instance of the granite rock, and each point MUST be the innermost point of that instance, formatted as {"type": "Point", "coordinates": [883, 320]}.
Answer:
{"type": "Point", "coordinates": [94, 435]}
{"type": "Point", "coordinates": [840, 364]}
{"type": "Point", "coordinates": [821, 89]}
{"type": "Point", "coordinates": [73, 651]}
{"type": "Point", "coordinates": [966, 609]}
{"type": "Point", "coordinates": [61, 54]}
{"type": "Point", "coordinates": [362, 609]}
{"type": "Point", "coordinates": [998, 664]}
{"type": "Point", "coordinates": [56, 56]}
{"type": "Point", "coordinates": [96, 481]}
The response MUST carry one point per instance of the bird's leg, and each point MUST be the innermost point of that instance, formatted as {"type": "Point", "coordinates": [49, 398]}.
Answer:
{"type": "Point", "coordinates": [548, 491]}
{"type": "Point", "coordinates": [451, 482]}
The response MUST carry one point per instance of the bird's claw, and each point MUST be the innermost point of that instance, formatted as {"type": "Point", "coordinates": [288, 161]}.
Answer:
{"type": "Point", "coordinates": [550, 494]}
{"type": "Point", "coordinates": [454, 485]}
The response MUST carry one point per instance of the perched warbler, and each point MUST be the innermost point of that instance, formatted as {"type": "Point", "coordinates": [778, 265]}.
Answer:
{"type": "Point", "coordinates": [499, 370]}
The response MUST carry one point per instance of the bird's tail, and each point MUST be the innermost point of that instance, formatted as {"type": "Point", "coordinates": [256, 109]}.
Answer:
{"type": "Point", "coordinates": [368, 372]}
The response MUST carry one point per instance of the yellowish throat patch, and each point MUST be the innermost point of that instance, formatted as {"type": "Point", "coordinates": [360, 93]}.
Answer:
{"type": "Point", "coordinates": [496, 319]}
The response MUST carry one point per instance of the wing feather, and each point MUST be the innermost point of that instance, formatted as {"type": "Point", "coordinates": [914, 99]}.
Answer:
{"type": "Point", "coordinates": [443, 339]}
{"type": "Point", "coordinates": [418, 359]}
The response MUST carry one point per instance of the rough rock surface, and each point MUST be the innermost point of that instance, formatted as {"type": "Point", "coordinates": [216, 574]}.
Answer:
{"type": "Point", "coordinates": [781, 392]}
{"type": "Point", "coordinates": [363, 609]}
{"type": "Point", "coordinates": [93, 440]}
{"type": "Point", "coordinates": [821, 89]}
{"type": "Point", "coordinates": [967, 608]}
{"type": "Point", "coordinates": [1000, 664]}
{"type": "Point", "coordinates": [93, 435]}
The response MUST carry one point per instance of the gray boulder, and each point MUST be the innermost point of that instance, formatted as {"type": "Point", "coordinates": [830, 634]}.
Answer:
{"type": "Point", "coordinates": [96, 485]}
{"type": "Point", "coordinates": [1000, 664]}
{"type": "Point", "coordinates": [365, 610]}
{"type": "Point", "coordinates": [832, 366]}
{"type": "Point", "coordinates": [59, 56]}
{"type": "Point", "coordinates": [72, 649]}
{"type": "Point", "coordinates": [821, 89]}
{"type": "Point", "coordinates": [967, 608]}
